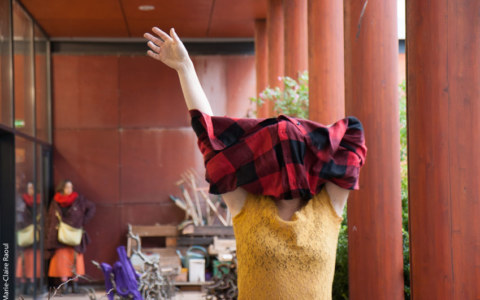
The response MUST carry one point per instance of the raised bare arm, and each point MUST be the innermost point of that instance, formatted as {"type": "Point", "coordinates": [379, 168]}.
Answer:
{"type": "Point", "coordinates": [170, 50]}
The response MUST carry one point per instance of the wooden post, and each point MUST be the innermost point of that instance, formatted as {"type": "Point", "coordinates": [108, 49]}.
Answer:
{"type": "Point", "coordinates": [326, 61]}
{"type": "Point", "coordinates": [371, 93]}
{"type": "Point", "coordinates": [443, 94]}
{"type": "Point", "coordinates": [275, 41]}
{"type": "Point", "coordinates": [296, 41]}
{"type": "Point", "coordinates": [261, 62]}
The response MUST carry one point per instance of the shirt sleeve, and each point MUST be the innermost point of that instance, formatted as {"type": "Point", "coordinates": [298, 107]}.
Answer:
{"type": "Point", "coordinates": [340, 151]}
{"type": "Point", "coordinates": [215, 133]}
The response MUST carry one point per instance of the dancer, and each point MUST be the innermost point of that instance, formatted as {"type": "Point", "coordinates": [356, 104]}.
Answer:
{"type": "Point", "coordinates": [285, 181]}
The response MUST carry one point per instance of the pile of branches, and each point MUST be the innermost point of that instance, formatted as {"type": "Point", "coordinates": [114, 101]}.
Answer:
{"type": "Point", "coordinates": [195, 201]}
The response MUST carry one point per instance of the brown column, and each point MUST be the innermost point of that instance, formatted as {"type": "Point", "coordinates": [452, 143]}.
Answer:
{"type": "Point", "coordinates": [275, 45]}
{"type": "Point", "coordinates": [261, 62]}
{"type": "Point", "coordinates": [371, 93]}
{"type": "Point", "coordinates": [443, 79]}
{"type": "Point", "coordinates": [295, 25]}
{"type": "Point", "coordinates": [326, 61]}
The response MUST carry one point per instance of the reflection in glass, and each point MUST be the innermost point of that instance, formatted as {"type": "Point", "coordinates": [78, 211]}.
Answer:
{"type": "Point", "coordinates": [41, 92]}
{"type": "Point", "coordinates": [5, 65]}
{"type": "Point", "coordinates": [23, 70]}
{"type": "Point", "coordinates": [29, 220]}
{"type": "Point", "coordinates": [41, 189]}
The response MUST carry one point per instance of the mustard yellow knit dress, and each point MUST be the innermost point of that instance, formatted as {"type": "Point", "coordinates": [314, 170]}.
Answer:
{"type": "Point", "coordinates": [280, 259]}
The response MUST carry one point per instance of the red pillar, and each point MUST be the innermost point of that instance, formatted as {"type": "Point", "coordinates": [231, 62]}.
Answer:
{"type": "Point", "coordinates": [275, 45]}
{"type": "Point", "coordinates": [296, 46]}
{"type": "Point", "coordinates": [261, 63]}
{"type": "Point", "coordinates": [443, 94]}
{"type": "Point", "coordinates": [326, 61]}
{"type": "Point", "coordinates": [371, 93]}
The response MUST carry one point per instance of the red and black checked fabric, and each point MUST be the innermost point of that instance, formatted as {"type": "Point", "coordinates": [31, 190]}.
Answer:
{"type": "Point", "coordinates": [283, 157]}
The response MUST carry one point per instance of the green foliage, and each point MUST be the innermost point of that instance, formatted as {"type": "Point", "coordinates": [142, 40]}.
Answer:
{"type": "Point", "coordinates": [293, 101]}
{"type": "Point", "coordinates": [340, 280]}
{"type": "Point", "coordinates": [404, 184]}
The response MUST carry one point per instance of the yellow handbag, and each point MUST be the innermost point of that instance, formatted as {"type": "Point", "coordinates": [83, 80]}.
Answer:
{"type": "Point", "coordinates": [67, 234]}
{"type": "Point", "coordinates": [25, 236]}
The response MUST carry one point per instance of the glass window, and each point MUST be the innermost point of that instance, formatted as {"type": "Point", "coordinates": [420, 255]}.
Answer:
{"type": "Point", "coordinates": [28, 216]}
{"type": "Point", "coordinates": [5, 65]}
{"type": "Point", "coordinates": [41, 87]}
{"type": "Point", "coordinates": [23, 70]}
{"type": "Point", "coordinates": [41, 188]}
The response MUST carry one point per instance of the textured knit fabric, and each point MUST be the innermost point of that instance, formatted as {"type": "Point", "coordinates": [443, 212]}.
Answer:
{"type": "Point", "coordinates": [280, 259]}
{"type": "Point", "coordinates": [283, 157]}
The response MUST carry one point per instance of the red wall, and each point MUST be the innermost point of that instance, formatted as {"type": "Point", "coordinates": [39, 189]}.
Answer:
{"type": "Point", "coordinates": [122, 134]}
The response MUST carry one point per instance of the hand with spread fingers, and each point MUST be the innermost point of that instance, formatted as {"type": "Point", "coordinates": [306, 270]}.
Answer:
{"type": "Point", "coordinates": [168, 49]}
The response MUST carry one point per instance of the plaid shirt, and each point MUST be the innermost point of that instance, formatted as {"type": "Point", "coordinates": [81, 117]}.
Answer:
{"type": "Point", "coordinates": [283, 157]}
